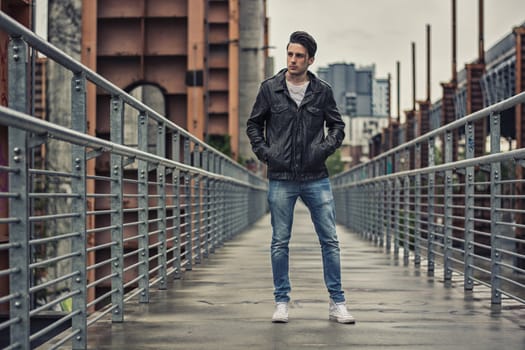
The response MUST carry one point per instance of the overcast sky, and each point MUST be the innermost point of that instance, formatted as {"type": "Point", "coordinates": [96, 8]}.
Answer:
{"type": "Point", "coordinates": [365, 32]}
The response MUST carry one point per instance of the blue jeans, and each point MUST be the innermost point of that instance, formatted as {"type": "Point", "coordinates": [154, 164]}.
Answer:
{"type": "Point", "coordinates": [318, 197]}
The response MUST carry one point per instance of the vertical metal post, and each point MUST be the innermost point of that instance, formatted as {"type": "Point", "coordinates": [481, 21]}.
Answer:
{"type": "Point", "coordinates": [365, 220]}
{"type": "Point", "coordinates": [350, 221]}
{"type": "Point", "coordinates": [358, 209]}
{"type": "Point", "coordinates": [176, 206]}
{"type": "Point", "coordinates": [397, 212]}
{"type": "Point", "coordinates": [389, 208]}
{"type": "Point", "coordinates": [377, 204]}
{"type": "Point", "coordinates": [78, 206]}
{"type": "Point", "coordinates": [197, 205]}
{"type": "Point", "coordinates": [226, 212]}
{"type": "Point", "coordinates": [222, 203]}
{"type": "Point", "coordinates": [406, 221]}
{"type": "Point", "coordinates": [188, 208]}
{"type": "Point", "coordinates": [343, 207]}
{"type": "Point", "coordinates": [161, 207]}
{"type": "Point", "coordinates": [19, 205]}
{"type": "Point", "coordinates": [206, 183]}
{"type": "Point", "coordinates": [117, 210]}
{"type": "Point", "coordinates": [214, 204]}
{"type": "Point", "coordinates": [447, 239]}
{"type": "Point", "coordinates": [469, 209]}
{"type": "Point", "coordinates": [379, 212]}
{"type": "Point", "coordinates": [370, 221]}
{"type": "Point", "coordinates": [363, 216]}
{"type": "Point", "coordinates": [361, 210]}
{"type": "Point", "coordinates": [430, 206]}
{"type": "Point", "coordinates": [143, 214]}
{"type": "Point", "coordinates": [495, 211]}
{"type": "Point", "coordinates": [349, 207]}
{"type": "Point", "coordinates": [417, 209]}
{"type": "Point", "coordinates": [370, 212]}
{"type": "Point", "coordinates": [382, 212]}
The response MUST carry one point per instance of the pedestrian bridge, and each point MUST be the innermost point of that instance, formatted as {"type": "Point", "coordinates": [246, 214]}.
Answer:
{"type": "Point", "coordinates": [227, 303]}
{"type": "Point", "coordinates": [151, 239]}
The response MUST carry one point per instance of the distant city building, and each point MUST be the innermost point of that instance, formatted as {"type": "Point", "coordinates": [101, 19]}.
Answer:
{"type": "Point", "coordinates": [358, 132]}
{"type": "Point", "coordinates": [380, 98]}
{"type": "Point", "coordinates": [356, 90]}
{"type": "Point", "coordinates": [364, 102]}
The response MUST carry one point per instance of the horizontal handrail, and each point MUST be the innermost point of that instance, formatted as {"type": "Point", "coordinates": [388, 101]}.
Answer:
{"type": "Point", "coordinates": [28, 123]}
{"type": "Point", "coordinates": [454, 125]}
{"type": "Point", "coordinates": [486, 159]}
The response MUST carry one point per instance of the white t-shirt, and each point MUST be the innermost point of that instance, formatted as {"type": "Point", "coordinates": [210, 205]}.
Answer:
{"type": "Point", "coordinates": [297, 91]}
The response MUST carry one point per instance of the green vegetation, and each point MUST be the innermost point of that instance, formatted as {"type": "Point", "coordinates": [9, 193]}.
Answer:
{"type": "Point", "coordinates": [334, 163]}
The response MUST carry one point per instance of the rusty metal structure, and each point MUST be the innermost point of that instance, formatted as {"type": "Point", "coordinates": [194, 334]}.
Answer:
{"type": "Point", "coordinates": [181, 57]}
{"type": "Point", "coordinates": [496, 74]}
{"type": "Point", "coordinates": [188, 50]}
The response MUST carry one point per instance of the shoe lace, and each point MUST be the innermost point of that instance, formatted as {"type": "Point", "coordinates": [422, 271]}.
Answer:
{"type": "Point", "coordinates": [281, 308]}
{"type": "Point", "coordinates": [341, 309]}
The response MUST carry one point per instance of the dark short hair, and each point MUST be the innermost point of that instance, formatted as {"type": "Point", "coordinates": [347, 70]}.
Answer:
{"type": "Point", "coordinates": [305, 39]}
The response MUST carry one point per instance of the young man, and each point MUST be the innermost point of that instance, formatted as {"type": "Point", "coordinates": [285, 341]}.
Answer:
{"type": "Point", "coordinates": [287, 131]}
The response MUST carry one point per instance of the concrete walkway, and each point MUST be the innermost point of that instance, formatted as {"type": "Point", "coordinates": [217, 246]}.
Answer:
{"type": "Point", "coordinates": [227, 303]}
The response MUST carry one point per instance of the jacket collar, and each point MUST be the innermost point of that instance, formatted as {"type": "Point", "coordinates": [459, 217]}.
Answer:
{"type": "Point", "coordinates": [279, 83]}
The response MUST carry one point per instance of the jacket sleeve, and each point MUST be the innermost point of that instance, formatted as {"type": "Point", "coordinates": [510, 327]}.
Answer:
{"type": "Point", "coordinates": [334, 123]}
{"type": "Point", "coordinates": [256, 125]}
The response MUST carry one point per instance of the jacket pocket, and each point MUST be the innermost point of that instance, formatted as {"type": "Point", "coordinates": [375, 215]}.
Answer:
{"type": "Point", "coordinates": [314, 111]}
{"type": "Point", "coordinates": [279, 108]}
{"type": "Point", "coordinates": [314, 118]}
{"type": "Point", "coordinates": [277, 160]}
{"type": "Point", "coordinates": [315, 159]}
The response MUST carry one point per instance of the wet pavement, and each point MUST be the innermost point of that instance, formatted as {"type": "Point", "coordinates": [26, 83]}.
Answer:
{"type": "Point", "coordinates": [227, 303]}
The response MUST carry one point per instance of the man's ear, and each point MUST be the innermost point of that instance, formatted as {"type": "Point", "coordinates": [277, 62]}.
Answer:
{"type": "Point", "coordinates": [311, 60]}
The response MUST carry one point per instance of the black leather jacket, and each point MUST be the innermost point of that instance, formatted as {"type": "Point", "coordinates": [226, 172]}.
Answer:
{"type": "Point", "coordinates": [291, 139]}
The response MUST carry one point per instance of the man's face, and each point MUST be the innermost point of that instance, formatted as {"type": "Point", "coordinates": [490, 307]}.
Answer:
{"type": "Point", "coordinates": [297, 60]}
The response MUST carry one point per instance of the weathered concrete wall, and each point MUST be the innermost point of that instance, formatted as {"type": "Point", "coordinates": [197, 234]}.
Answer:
{"type": "Point", "coordinates": [251, 65]}
{"type": "Point", "coordinates": [64, 31]}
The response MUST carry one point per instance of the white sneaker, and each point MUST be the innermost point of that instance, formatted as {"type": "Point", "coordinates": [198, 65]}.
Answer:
{"type": "Point", "coordinates": [281, 313]}
{"type": "Point", "coordinates": [338, 312]}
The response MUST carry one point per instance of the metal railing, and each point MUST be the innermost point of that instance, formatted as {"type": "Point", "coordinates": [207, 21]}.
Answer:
{"type": "Point", "coordinates": [81, 242]}
{"type": "Point", "coordinates": [468, 214]}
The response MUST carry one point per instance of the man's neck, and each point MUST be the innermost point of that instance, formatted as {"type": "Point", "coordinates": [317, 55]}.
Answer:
{"type": "Point", "coordinates": [297, 79]}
